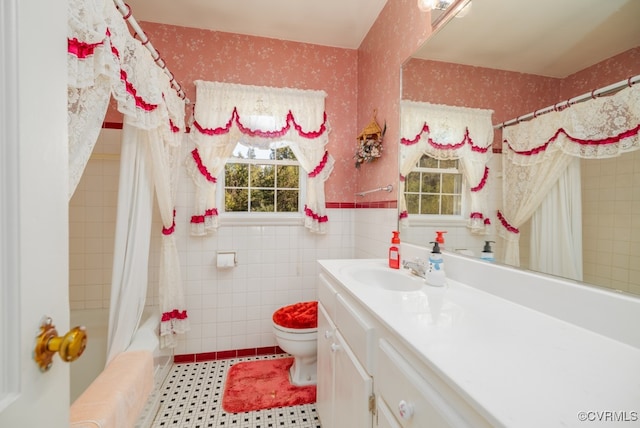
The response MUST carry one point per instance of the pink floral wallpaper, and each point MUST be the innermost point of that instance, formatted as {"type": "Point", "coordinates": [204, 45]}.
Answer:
{"type": "Point", "coordinates": [509, 94]}
{"type": "Point", "coordinates": [614, 69]}
{"type": "Point", "coordinates": [356, 82]}
{"type": "Point", "coordinates": [400, 28]}
{"type": "Point", "coordinates": [196, 54]}
{"type": "Point", "coordinates": [360, 81]}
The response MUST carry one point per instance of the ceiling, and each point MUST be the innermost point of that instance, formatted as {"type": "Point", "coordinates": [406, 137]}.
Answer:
{"type": "Point", "coordinates": [552, 38]}
{"type": "Point", "coordinates": [337, 23]}
{"type": "Point", "coordinates": [547, 37]}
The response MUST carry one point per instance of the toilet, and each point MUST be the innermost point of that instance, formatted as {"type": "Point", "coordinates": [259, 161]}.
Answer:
{"type": "Point", "coordinates": [296, 330]}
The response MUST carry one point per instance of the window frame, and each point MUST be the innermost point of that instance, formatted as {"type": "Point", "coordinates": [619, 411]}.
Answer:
{"type": "Point", "coordinates": [255, 218]}
{"type": "Point", "coordinates": [442, 219]}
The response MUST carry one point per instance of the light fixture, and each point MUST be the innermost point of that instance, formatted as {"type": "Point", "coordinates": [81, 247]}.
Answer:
{"type": "Point", "coordinates": [428, 5]}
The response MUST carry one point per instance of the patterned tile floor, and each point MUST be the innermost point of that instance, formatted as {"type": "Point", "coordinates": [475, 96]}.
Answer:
{"type": "Point", "coordinates": [192, 398]}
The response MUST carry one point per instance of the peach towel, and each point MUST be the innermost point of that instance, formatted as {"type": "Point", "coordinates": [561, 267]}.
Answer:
{"type": "Point", "coordinates": [118, 395]}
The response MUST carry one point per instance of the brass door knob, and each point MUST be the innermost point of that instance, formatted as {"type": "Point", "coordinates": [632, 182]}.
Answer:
{"type": "Point", "coordinates": [69, 347]}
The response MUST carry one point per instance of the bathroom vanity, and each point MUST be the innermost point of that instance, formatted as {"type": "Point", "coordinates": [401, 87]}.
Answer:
{"type": "Point", "coordinates": [394, 352]}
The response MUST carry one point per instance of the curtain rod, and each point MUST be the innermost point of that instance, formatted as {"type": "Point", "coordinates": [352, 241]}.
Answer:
{"type": "Point", "coordinates": [580, 98]}
{"type": "Point", "coordinates": [125, 10]}
{"type": "Point", "coordinates": [387, 188]}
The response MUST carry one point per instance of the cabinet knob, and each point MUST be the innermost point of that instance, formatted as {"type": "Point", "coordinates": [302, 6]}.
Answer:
{"type": "Point", "coordinates": [328, 334]}
{"type": "Point", "coordinates": [405, 409]}
{"type": "Point", "coordinates": [335, 347]}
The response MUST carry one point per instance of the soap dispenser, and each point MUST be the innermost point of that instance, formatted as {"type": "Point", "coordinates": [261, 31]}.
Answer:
{"type": "Point", "coordinates": [487, 252]}
{"type": "Point", "coordinates": [394, 251]}
{"type": "Point", "coordinates": [440, 238]}
{"type": "Point", "coordinates": [435, 272]}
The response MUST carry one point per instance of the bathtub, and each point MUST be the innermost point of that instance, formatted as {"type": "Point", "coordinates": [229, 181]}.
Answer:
{"type": "Point", "coordinates": [90, 364]}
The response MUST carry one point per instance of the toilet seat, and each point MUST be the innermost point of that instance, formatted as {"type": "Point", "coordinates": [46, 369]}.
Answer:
{"type": "Point", "coordinates": [297, 318]}
{"type": "Point", "coordinates": [294, 330]}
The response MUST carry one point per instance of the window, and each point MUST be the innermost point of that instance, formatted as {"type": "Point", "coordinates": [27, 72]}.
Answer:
{"type": "Point", "coordinates": [435, 187]}
{"type": "Point", "coordinates": [263, 180]}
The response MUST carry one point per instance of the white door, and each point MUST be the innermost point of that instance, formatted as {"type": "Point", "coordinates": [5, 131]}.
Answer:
{"type": "Point", "coordinates": [34, 208]}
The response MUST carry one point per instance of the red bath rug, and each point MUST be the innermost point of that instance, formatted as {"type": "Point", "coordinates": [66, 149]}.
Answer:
{"type": "Point", "coordinates": [263, 384]}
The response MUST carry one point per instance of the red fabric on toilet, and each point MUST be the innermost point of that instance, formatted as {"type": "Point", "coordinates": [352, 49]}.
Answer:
{"type": "Point", "coordinates": [298, 315]}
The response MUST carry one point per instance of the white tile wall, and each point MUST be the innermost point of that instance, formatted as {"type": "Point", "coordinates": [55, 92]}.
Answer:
{"type": "Point", "coordinates": [611, 221]}
{"type": "Point", "coordinates": [231, 309]}
{"type": "Point", "coordinates": [228, 308]}
{"type": "Point", "coordinates": [92, 214]}
{"type": "Point", "coordinates": [372, 228]}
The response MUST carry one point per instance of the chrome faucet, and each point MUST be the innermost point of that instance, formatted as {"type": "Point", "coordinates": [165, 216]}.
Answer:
{"type": "Point", "coordinates": [417, 267]}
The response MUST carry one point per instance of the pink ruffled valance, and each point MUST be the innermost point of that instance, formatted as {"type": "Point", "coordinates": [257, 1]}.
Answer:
{"type": "Point", "coordinates": [290, 121]}
{"type": "Point", "coordinates": [226, 114]}
{"type": "Point", "coordinates": [537, 152]}
{"type": "Point", "coordinates": [612, 139]}
{"type": "Point", "coordinates": [448, 132]}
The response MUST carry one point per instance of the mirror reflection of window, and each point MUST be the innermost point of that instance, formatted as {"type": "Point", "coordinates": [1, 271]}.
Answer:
{"type": "Point", "coordinates": [435, 187]}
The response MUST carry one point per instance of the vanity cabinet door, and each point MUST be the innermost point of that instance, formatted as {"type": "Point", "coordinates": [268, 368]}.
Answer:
{"type": "Point", "coordinates": [384, 415]}
{"type": "Point", "coordinates": [353, 389]}
{"type": "Point", "coordinates": [416, 396]}
{"type": "Point", "coordinates": [326, 378]}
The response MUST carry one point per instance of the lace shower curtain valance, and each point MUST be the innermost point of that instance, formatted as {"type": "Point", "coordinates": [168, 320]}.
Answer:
{"type": "Point", "coordinates": [105, 61]}
{"type": "Point", "coordinates": [226, 114]}
{"type": "Point", "coordinates": [536, 152]}
{"type": "Point", "coordinates": [448, 132]}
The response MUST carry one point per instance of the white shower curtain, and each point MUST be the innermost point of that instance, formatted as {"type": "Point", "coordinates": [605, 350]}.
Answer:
{"type": "Point", "coordinates": [556, 228]}
{"type": "Point", "coordinates": [105, 60]}
{"type": "Point", "coordinates": [133, 236]}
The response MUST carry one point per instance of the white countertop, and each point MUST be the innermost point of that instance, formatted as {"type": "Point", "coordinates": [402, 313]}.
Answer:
{"type": "Point", "coordinates": [522, 367]}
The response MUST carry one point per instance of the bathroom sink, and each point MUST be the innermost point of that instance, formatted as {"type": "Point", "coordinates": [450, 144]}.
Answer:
{"type": "Point", "coordinates": [376, 275]}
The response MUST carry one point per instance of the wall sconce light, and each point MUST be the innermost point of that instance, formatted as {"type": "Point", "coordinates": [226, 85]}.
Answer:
{"type": "Point", "coordinates": [428, 5]}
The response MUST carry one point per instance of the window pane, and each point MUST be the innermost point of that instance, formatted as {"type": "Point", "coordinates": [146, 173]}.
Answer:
{"type": "Point", "coordinates": [430, 204]}
{"type": "Point", "coordinates": [263, 176]}
{"type": "Point", "coordinates": [288, 176]}
{"type": "Point", "coordinates": [413, 204]}
{"type": "Point", "coordinates": [285, 153]}
{"type": "Point", "coordinates": [453, 163]}
{"type": "Point", "coordinates": [412, 182]}
{"type": "Point", "coordinates": [287, 201]}
{"type": "Point", "coordinates": [457, 204]}
{"type": "Point", "coordinates": [236, 175]}
{"type": "Point", "coordinates": [262, 200]}
{"type": "Point", "coordinates": [430, 183]}
{"type": "Point", "coordinates": [428, 162]}
{"type": "Point", "coordinates": [236, 200]}
{"type": "Point", "coordinates": [451, 183]}
{"type": "Point", "coordinates": [447, 204]}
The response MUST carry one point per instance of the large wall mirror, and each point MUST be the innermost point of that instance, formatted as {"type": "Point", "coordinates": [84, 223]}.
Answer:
{"type": "Point", "coordinates": [519, 56]}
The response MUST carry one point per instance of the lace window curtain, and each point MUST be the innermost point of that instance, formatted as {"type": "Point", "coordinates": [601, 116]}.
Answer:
{"type": "Point", "coordinates": [223, 116]}
{"type": "Point", "coordinates": [537, 152]}
{"type": "Point", "coordinates": [165, 147]}
{"type": "Point", "coordinates": [448, 132]}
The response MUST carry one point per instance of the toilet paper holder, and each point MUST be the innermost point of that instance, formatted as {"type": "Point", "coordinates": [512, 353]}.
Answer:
{"type": "Point", "coordinates": [226, 259]}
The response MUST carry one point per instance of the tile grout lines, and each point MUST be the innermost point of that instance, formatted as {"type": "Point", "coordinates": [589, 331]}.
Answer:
{"type": "Point", "coordinates": [192, 398]}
